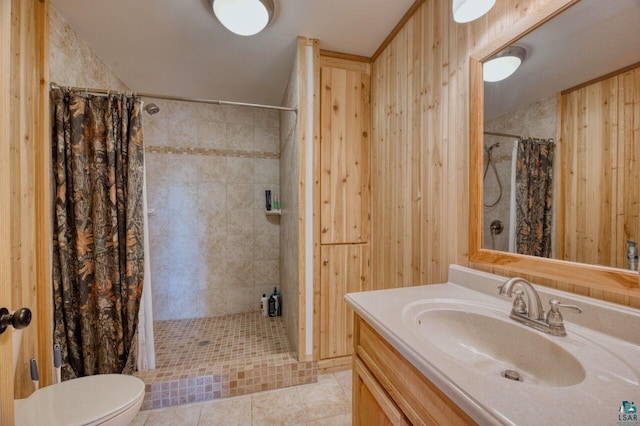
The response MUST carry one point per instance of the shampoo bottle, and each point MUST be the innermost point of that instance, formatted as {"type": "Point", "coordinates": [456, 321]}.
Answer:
{"type": "Point", "coordinates": [276, 298]}
{"type": "Point", "coordinates": [264, 303]}
{"type": "Point", "coordinates": [272, 306]}
{"type": "Point", "coordinates": [279, 299]}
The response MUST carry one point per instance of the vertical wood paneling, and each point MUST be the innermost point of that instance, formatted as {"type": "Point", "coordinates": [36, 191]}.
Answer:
{"type": "Point", "coordinates": [588, 141]}
{"type": "Point", "coordinates": [30, 185]}
{"type": "Point", "coordinates": [344, 185]}
{"type": "Point", "coordinates": [599, 147]}
{"type": "Point", "coordinates": [344, 166]}
{"type": "Point", "coordinates": [420, 101]}
{"type": "Point", "coordinates": [628, 207]}
{"type": "Point", "coordinates": [345, 269]}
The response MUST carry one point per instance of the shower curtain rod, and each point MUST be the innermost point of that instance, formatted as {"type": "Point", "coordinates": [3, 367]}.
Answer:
{"type": "Point", "coordinates": [175, 98]}
{"type": "Point", "coordinates": [507, 135]}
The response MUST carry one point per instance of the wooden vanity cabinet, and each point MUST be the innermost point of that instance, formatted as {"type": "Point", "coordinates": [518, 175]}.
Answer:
{"type": "Point", "coordinates": [389, 390]}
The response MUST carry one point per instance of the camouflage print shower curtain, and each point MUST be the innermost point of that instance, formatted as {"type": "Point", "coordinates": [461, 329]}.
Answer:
{"type": "Point", "coordinates": [98, 250]}
{"type": "Point", "coordinates": [534, 197]}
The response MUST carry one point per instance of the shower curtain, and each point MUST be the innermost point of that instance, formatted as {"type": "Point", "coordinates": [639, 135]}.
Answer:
{"type": "Point", "coordinates": [145, 338]}
{"type": "Point", "coordinates": [534, 197]}
{"type": "Point", "coordinates": [98, 249]}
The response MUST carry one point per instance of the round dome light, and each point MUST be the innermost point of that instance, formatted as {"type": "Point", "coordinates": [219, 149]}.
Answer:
{"type": "Point", "coordinates": [469, 10]}
{"type": "Point", "coordinates": [503, 64]}
{"type": "Point", "coordinates": [243, 17]}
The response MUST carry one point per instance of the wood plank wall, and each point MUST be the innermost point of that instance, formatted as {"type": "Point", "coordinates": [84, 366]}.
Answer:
{"type": "Point", "coordinates": [420, 145]}
{"type": "Point", "coordinates": [30, 170]}
{"type": "Point", "coordinates": [600, 126]}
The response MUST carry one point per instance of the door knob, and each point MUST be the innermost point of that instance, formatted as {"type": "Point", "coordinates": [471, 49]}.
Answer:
{"type": "Point", "coordinates": [19, 319]}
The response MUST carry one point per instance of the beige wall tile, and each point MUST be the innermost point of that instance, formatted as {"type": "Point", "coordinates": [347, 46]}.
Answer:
{"type": "Point", "coordinates": [239, 137]}
{"type": "Point", "coordinates": [266, 139]}
{"type": "Point", "coordinates": [239, 170]}
{"type": "Point", "coordinates": [238, 115]}
{"type": "Point", "coordinates": [239, 196]}
{"type": "Point", "coordinates": [212, 134]}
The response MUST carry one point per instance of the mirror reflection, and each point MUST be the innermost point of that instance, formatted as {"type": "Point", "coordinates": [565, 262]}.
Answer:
{"type": "Point", "coordinates": [562, 138]}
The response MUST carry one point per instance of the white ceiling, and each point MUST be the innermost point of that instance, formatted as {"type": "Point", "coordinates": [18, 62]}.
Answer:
{"type": "Point", "coordinates": [588, 40]}
{"type": "Point", "coordinates": [178, 47]}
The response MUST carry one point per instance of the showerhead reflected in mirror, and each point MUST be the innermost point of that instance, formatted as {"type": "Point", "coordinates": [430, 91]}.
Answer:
{"type": "Point", "coordinates": [152, 108]}
{"type": "Point", "coordinates": [561, 143]}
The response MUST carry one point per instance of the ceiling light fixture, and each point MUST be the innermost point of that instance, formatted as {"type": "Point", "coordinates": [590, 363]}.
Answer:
{"type": "Point", "coordinates": [243, 17]}
{"type": "Point", "coordinates": [503, 64]}
{"type": "Point", "coordinates": [469, 10]}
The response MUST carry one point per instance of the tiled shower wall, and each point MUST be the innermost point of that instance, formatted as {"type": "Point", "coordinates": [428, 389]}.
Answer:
{"type": "Point", "coordinates": [289, 225]}
{"type": "Point", "coordinates": [72, 62]}
{"type": "Point", "coordinates": [537, 120]}
{"type": "Point", "coordinates": [213, 249]}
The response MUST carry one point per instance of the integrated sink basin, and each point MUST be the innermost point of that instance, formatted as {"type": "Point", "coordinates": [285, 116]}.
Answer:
{"type": "Point", "coordinates": [500, 371]}
{"type": "Point", "coordinates": [476, 336]}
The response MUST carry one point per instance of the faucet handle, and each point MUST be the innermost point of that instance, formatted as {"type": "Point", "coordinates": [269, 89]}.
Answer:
{"type": "Point", "coordinates": [519, 306]}
{"type": "Point", "coordinates": [554, 317]}
{"type": "Point", "coordinates": [555, 304]}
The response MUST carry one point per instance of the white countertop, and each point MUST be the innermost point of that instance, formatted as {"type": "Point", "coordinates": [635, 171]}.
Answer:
{"type": "Point", "coordinates": [605, 339]}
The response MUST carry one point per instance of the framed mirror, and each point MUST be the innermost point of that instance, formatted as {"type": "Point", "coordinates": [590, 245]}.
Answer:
{"type": "Point", "coordinates": [555, 146]}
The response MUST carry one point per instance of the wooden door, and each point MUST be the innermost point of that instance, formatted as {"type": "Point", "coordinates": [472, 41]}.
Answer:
{"type": "Point", "coordinates": [344, 144]}
{"type": "Point", "coordinates": [25, 207]}
{"type": "Point", "coordinates": [372, 405]}
{"type": "Point", "coordinates": [6, 373]}
{"type": "Point", "coordinates": [345, 269]}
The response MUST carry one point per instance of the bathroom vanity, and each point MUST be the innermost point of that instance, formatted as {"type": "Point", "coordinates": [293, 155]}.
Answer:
{"type": "Point", "coordinates": [450, 354]}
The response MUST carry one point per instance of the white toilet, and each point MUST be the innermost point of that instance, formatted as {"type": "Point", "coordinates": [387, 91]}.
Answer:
{"type": "Point", "coordinates": [106, 399]}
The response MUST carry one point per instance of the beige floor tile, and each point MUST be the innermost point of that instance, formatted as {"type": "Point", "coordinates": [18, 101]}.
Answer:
{"type": "Point", "coordinates": [341, 420]}
{"type": "Point", "coordinates": [226, 412]}
{"type": "Point", "coordinates": [322, 400]}
{"type": "Point", "coordinates": [186, 415]}
{"type": "Point", "coordinates": [326, 377]}
{"type": "Point", "coordinates": [140, 418]}
{"type": "Point", "coordinates": [345, 379]}
{"type": "Point", "coordinates": [279, 407]}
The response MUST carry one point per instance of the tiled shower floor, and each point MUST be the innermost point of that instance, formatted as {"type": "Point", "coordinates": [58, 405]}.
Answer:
{"type": "Point", "coordinates": [208, 358]}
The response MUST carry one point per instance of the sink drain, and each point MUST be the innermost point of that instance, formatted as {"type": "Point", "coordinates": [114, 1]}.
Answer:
{"type": "Point", "coordinates": [511, 375]}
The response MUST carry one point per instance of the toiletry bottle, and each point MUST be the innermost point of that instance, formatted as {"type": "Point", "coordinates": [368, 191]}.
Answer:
{"type": "Point", "coordinates": [267, 196]}
{"type": "Point", "coordinates": [264, 302]}
{"type": "Point", "coordinates": [279, 299]}
{"type": "Point", "coordinates": [276, 297]}
{"type": "Point", "coordinates": [272, 306]}
{"type": "Point", "coordinates": [632, 255]}
{"type": "Point", "coordinates": [276, 202]}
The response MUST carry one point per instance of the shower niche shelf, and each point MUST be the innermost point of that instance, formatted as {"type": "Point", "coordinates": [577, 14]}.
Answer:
{"type": "Point", "coordinates": [273, 212]}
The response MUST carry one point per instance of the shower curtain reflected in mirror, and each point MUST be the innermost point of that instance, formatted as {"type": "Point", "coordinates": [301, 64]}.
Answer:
{"type": "Point", "coordinates": [98, 247]}
{"type": "Point", "coordinates": [534, 196]}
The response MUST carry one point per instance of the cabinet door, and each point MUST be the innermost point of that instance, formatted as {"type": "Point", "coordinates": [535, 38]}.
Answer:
{"type": "Point", "coordinates": [371, 403]}
{"type": "Point", "coordinates": [345, 269]}
{"type": "Point", "coordinates": [344, 157]}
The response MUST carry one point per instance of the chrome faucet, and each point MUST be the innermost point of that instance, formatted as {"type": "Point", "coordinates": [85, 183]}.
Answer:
{"type": "Point", "coordinates": [531, 312]}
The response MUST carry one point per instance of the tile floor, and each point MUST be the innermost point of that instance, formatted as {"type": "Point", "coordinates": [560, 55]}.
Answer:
{"type": "Point", "coordinates": [327, 402]}
{"type": "Point", "coordinates": [210, 358]}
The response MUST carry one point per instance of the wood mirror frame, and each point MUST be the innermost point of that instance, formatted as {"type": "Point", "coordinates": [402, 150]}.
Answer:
{"type": "Point", "coordinates": [618, 281]}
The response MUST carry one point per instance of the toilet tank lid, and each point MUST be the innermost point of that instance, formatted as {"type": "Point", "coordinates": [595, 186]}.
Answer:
{"type": "Point", "coordinates": [81, 401]}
